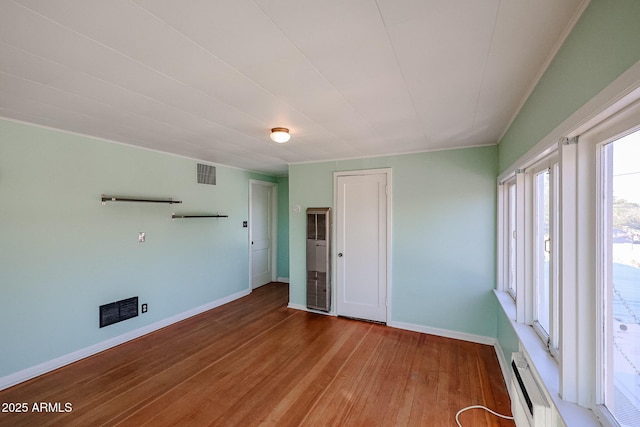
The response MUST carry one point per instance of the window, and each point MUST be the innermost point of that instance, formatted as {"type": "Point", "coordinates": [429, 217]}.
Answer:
{"type": "Point", "coordinates": [528, 261]}
{"type": "Point", "coordinates": [544, 252]}
{"type": "Point", "coordinates": [619, 225]}
{"type": "Point", "coordinates": [507, 213]}
{"type": "Point", "coordinates": [511, 238]}
{"type": "Point", "coordinates": [569, 237]}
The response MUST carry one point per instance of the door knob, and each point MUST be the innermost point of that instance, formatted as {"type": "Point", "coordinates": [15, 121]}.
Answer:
{"type": "Point", "coordinates": [339, 254]}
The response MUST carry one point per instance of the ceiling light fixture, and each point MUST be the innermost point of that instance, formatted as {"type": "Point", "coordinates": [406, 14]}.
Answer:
{"type": "Point", "coordinates": [280, 135]}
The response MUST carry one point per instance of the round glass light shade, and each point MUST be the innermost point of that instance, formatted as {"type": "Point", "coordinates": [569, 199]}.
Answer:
{"type": "Point", "coordinates": [280, 135]}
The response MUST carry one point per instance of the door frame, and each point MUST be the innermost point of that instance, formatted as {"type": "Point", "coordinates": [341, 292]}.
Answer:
{"type": "Point", "coordinates": [334, 234]}
{"type": "Point", "coordinates": [274, 228]}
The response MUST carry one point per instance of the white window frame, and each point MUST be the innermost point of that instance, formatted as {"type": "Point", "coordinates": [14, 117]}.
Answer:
{"type": "Point", "coordinates": [592, 258]}
{"type": "Point", "coordinates": [554, 344]}
{"type": "Point", "coordinates": [525, 296]}
{"type": "Point", "coordinates": [523, 248]}
{"type": "Point", "coordinates": [550, 338]}
{"type": "Point", "coordinates": [511, 205]}
{"type": "Point", "coordinates": [505, 233]}
{"type": "Point", "coordinates": [575, 377]}
{"type": "Point", "coordinates": [535, 270]}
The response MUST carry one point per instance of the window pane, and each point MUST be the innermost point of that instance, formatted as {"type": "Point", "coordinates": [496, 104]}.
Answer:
{"type": "Point", "coordinates": [512, 237]}
{"type": "Point", "coordinates": [622, 276]}
{"type": "Point", "coordinates": [542, 249]}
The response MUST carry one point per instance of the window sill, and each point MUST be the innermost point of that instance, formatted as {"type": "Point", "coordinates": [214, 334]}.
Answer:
{"type": "Point", "coordinates": [545, 367]}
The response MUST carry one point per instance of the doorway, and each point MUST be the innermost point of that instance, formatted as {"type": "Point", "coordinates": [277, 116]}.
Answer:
{"type": "Point", "coordinates": [262, 232]}
{"type": "Point", "coordinates": [363, 219]}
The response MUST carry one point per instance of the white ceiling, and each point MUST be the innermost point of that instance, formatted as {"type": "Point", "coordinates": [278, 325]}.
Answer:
{"type": "Point", "coordinates": [207, 79]}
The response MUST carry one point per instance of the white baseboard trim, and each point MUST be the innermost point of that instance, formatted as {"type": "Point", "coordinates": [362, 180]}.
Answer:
{"type": "Point", "coordinates": [305, 308]}
{"type": "Point", "coordinates": [504, 364]}
{"type": "Point", "coordinates": [480, 339]}
{"type": "Point", "coordinates": [296, 306]}
{"type": "Point", "coordinates": [43, 368]}
{"type": "Point", "coordinates": [283, 279]}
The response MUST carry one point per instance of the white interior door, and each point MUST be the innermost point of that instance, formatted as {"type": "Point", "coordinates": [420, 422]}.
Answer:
{"type": "Point", "coordinates": [262, 232]}
{"type": "Point", "coordinates": [361, 245]}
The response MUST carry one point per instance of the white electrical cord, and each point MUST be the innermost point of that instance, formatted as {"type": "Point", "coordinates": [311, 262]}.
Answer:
{"type": "Point", "coordinates": [506, 417]}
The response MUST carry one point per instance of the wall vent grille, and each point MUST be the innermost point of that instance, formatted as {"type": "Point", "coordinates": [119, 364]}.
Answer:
{"type": "Point", "coordinates": [206, 174]}
{"type": "Point", "coordinates": [118, 311]}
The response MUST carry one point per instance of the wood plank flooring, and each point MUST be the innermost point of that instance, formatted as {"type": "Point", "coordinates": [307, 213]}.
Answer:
{"type": "Point", "coordinates": [254, 362]}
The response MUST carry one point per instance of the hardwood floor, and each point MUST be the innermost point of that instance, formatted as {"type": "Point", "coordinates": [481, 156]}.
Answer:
{"type": "Point", "coordinates": [256, 362]}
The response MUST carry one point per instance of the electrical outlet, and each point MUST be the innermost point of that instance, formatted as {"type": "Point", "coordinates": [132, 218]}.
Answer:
{"type": "Point", "coordinates": [144, 308]}
{"type": "Point", "coordinates": [141, 236]}
{"type": "Point", "coordinates": [244, 224]}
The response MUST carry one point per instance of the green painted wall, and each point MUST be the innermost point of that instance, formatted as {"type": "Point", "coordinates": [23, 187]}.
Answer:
{"type": "Point", "coordinates": [602, 45]}
{"type": "Point", "coordinates": [507, 338]}
{"type": "Point", "coordinates": [443, 234]}
{"type": "Point", "coordinates": [63, 254]}
{"type": "Point", "coordinates": [283, 227]}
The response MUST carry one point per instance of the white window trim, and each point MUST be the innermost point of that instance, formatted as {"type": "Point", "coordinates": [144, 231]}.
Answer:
{"type": "Point", "coordinates": [502, 237]}
{"type": "Point", "coordinates": [504, 234]}
{"type": "Point", "coordinates": [511, 203]}
{"type": "Point", "coordinates": [619, 94]}
{"type": "Point", "coordinates": [535, 271]}
{"type": "Point", "coordinates": [567, 272]}
{"type": "Point", "coordinates": [556, 307]}
{"type": "Point", "coordinates": [551, 337]}
{"type": "Point", "coordinates": [590, 262]}
{"type": "Point", "coordinates": [604, 357]}
{"type": "Point", "coordinates": [524, 313]}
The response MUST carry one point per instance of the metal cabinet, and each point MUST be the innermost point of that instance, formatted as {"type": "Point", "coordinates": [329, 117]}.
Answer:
{"type": "Point", "coordinates": [318, 259]}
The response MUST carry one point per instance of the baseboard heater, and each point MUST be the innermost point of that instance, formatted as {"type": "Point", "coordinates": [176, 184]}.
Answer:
{"type": "Point", "coordinates": [118, 311]}
{"type": "Point", "coordinates": [528, 405]}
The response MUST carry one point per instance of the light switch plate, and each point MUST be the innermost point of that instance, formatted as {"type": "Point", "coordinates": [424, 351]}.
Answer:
{"type": "Point", "coordinates": [141, 236]}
